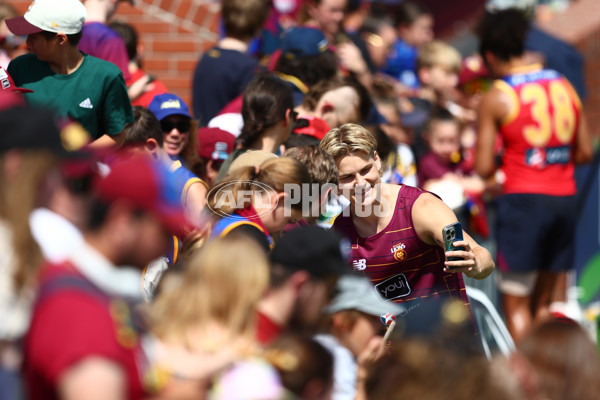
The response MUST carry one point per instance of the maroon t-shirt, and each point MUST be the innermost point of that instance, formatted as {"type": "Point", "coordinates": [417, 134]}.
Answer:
{"type": "Point", "coordinates": [402, 267]}
{"type": "Point", "coordinates": [73, 320]}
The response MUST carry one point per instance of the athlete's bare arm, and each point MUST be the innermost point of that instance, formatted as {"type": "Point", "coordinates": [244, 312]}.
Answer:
{"type": "Point", "coordinates": [494, 107]}
{"type": "Point", "coordinates": [430, 215]}
{"type": "Point", "coordinates": [583, 151]}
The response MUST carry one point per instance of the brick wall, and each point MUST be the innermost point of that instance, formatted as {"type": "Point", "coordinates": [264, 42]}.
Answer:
{"type": "Point", "coordinates": [580, 26]}
{"type": "Point", "coordinates": [174, 34]}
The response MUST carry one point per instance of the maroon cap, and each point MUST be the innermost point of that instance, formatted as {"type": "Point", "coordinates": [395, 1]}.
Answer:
{"type": "Point", "coordinates": [8, 84]}
{"type": "Point", "coordinates": [145, 184]}
{"type": "Point", "coordinates": [215, 143]}
{"type": "Point", "coordinates": [472, 68]}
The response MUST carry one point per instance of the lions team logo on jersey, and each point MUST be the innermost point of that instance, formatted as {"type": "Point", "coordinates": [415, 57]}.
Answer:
{"type": "Point", "coordinates": [399, 252]}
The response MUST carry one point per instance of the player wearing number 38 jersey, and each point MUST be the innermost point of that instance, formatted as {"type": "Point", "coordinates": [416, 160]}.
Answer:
{"type": "Point", "coordinates": [541, 123]}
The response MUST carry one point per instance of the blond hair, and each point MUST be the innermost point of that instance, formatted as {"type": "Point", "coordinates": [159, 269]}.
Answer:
{"type": "Point", "coordinates": [274, 173]}
{"type": "Point", "coordinates": [438, 54]}
{"type": "Point", "coordinates": [20, 196]}
{"type": "Point", "coordinates": [221, 284]}
{"type": "Point", "coordinates": [348, 138]}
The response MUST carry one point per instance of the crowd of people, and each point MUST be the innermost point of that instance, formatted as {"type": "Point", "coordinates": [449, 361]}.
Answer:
{"type": "Point", "coordinates": [287, 235]}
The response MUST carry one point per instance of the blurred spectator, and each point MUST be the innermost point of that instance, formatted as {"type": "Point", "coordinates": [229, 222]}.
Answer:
{"type": "Point", "coordinates": [32, 178]}
{"type": "Point", "coordinates": [83, 336]}
{"type": "Point", "coordinates": [544, 131]}
{"type": "Point", "coordinates": [332, 103]}
{"type": "Point", "coordinates": [305, 265]}
{"type": "Point", "coordinates": [564, 360]}
{"type": "Point", "coordinates": [305, 60]}
{"type": "Point", "coordinates": [426, 370]}
{"type": "Point", "coordinates": [147, 135]}
{"type": "Point", "coordinates": [214, 147]}
{"type": "Point", "coordinates": [438, 65]}
{"type": "Point", "coordinates": [142, 88]}
{"type": "Point", "coordinates": [325, 15]}
{"type": "Point", "coordinates": [178, 127]}
{"type": "Point", "coordinates": [415, 28]}
{"type": "Point", "coordinates": [378, 35]}
{"type": "Point", "coordinates": [225, 70]}
{"type": "Point", "coordinates": [441, 170]}
{"type": "Point", "coordinates": [305, 366]}
{"type": "Point", "coordinates": [323, 172]}
{"type": "Point", "coordinates": [268, 112]}
{"type": "Point", "coordinates": [100, 40]}
{"type": "Point", "coordinates": [206, 325]}
{"type": "Point", "coordinates": [355, 334]}
{"type": "Point", "coordinates": [397, 160]}
{"type": "Point", "coordinates": [254, 199]}
{"type": "Point", "coordinates": [11, 46]}
{"type": "Point", "coordinates": [76, 85]}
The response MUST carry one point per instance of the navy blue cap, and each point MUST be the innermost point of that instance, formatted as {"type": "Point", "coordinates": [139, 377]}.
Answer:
{"type": "Point", "coordinates": [164, 105]}
{"type": "Point", "coordinates": [301, 41]}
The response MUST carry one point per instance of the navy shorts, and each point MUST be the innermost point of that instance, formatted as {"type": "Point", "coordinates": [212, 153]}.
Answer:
{"type": "Point", "coordinates": [535, 232]}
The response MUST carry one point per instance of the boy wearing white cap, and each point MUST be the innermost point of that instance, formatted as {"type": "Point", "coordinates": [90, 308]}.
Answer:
{"type": "Point", "coordinates": [75, 85]}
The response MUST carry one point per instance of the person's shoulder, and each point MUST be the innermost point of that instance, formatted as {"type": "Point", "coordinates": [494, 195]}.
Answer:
{"type": "Point", "coordinates": [108, 68]}
{"type": "Point", "coordinates": [25, 59]}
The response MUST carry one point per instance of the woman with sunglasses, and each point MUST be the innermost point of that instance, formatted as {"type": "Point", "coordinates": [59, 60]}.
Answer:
{"type": "Point", "coordinates": [176, 124]}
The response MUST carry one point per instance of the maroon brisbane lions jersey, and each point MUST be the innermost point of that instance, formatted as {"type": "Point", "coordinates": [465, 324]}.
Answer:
{"type": "Point", "coordinates": [402, 267]}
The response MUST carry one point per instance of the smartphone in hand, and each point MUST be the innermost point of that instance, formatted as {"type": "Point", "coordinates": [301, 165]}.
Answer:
{"type": "Point", "coordinates": [453, 233]}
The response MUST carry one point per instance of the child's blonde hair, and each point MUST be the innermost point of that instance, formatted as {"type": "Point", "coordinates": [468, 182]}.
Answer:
{"type": "Point", "coordinates": [440, 54]}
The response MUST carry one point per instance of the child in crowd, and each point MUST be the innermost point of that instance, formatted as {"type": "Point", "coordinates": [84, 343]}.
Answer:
{"type": "Point", "coordinates": [415, 28]}
{"type": "Point", "coordinates": [442, 171]}
{"type": "Point", "coordinates": [442, 165]}
{"type": "Point", "coordinates": [141, 87]}
{"type": "Point", "coordinates": [438, 65]}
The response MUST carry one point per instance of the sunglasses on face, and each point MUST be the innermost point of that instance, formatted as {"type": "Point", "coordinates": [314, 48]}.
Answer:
{"type": "Point", "coordinates": [181, 125]}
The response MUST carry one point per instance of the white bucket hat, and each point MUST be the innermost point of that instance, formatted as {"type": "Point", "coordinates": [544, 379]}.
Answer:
{"type": "Point", "coordinates": [64, 16]}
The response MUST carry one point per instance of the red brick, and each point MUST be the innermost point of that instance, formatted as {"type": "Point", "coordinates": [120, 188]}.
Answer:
{"type": "Point", "coordinates": [200, 15]}
{"type": "Point", "coordinates": [186, 65]}
{"type": "Point", "coordinates": [183, 8]}
{"type": "Point", "coordinates": [153, 27]}
{"type": "Point", "coordinates": [177, 83]}
{"type": "Point", "coordinates": [181, 29]}
{"type": "Point", "coordinates": [173, 46]}
{"type": "Point", "coordinates": [127, 9]}
{"type": "Point", "coordinates": [166, 4]}
{"type": "Point", "coordinates": [214, 22]}
{"type": "Point", "coordinates": [156, 64]}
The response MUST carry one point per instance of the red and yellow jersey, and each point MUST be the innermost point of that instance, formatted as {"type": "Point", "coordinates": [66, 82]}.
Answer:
{"type": "Point", "coordinates": [539, 132]}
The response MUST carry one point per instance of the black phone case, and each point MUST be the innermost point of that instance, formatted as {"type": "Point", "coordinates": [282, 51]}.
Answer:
{"type": "Point", "coordinates": [451, 234]}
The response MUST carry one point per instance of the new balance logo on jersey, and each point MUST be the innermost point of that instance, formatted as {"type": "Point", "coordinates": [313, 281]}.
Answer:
{"type": "Point", "coordinates": [359, 265]}
{"type": "Point", "coordinates": [87, 103]}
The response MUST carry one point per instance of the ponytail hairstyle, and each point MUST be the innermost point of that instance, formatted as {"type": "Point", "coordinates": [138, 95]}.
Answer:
{"type": "Point", "coordinates": [274, 174]}
{"type": "Point", "coordinates": [266, 101]}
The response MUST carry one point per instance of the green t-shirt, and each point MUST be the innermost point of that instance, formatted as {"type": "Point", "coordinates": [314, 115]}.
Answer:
{"type": "Point", "coordinates": [94, 95]}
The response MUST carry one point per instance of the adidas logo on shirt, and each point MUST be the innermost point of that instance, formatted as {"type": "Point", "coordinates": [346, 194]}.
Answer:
{"type": "Point", "coordinates": [87, 103]}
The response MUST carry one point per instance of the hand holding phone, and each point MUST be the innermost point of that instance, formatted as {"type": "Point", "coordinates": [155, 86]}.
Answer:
{"type": "Point", "coordinates": [453, 233]}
